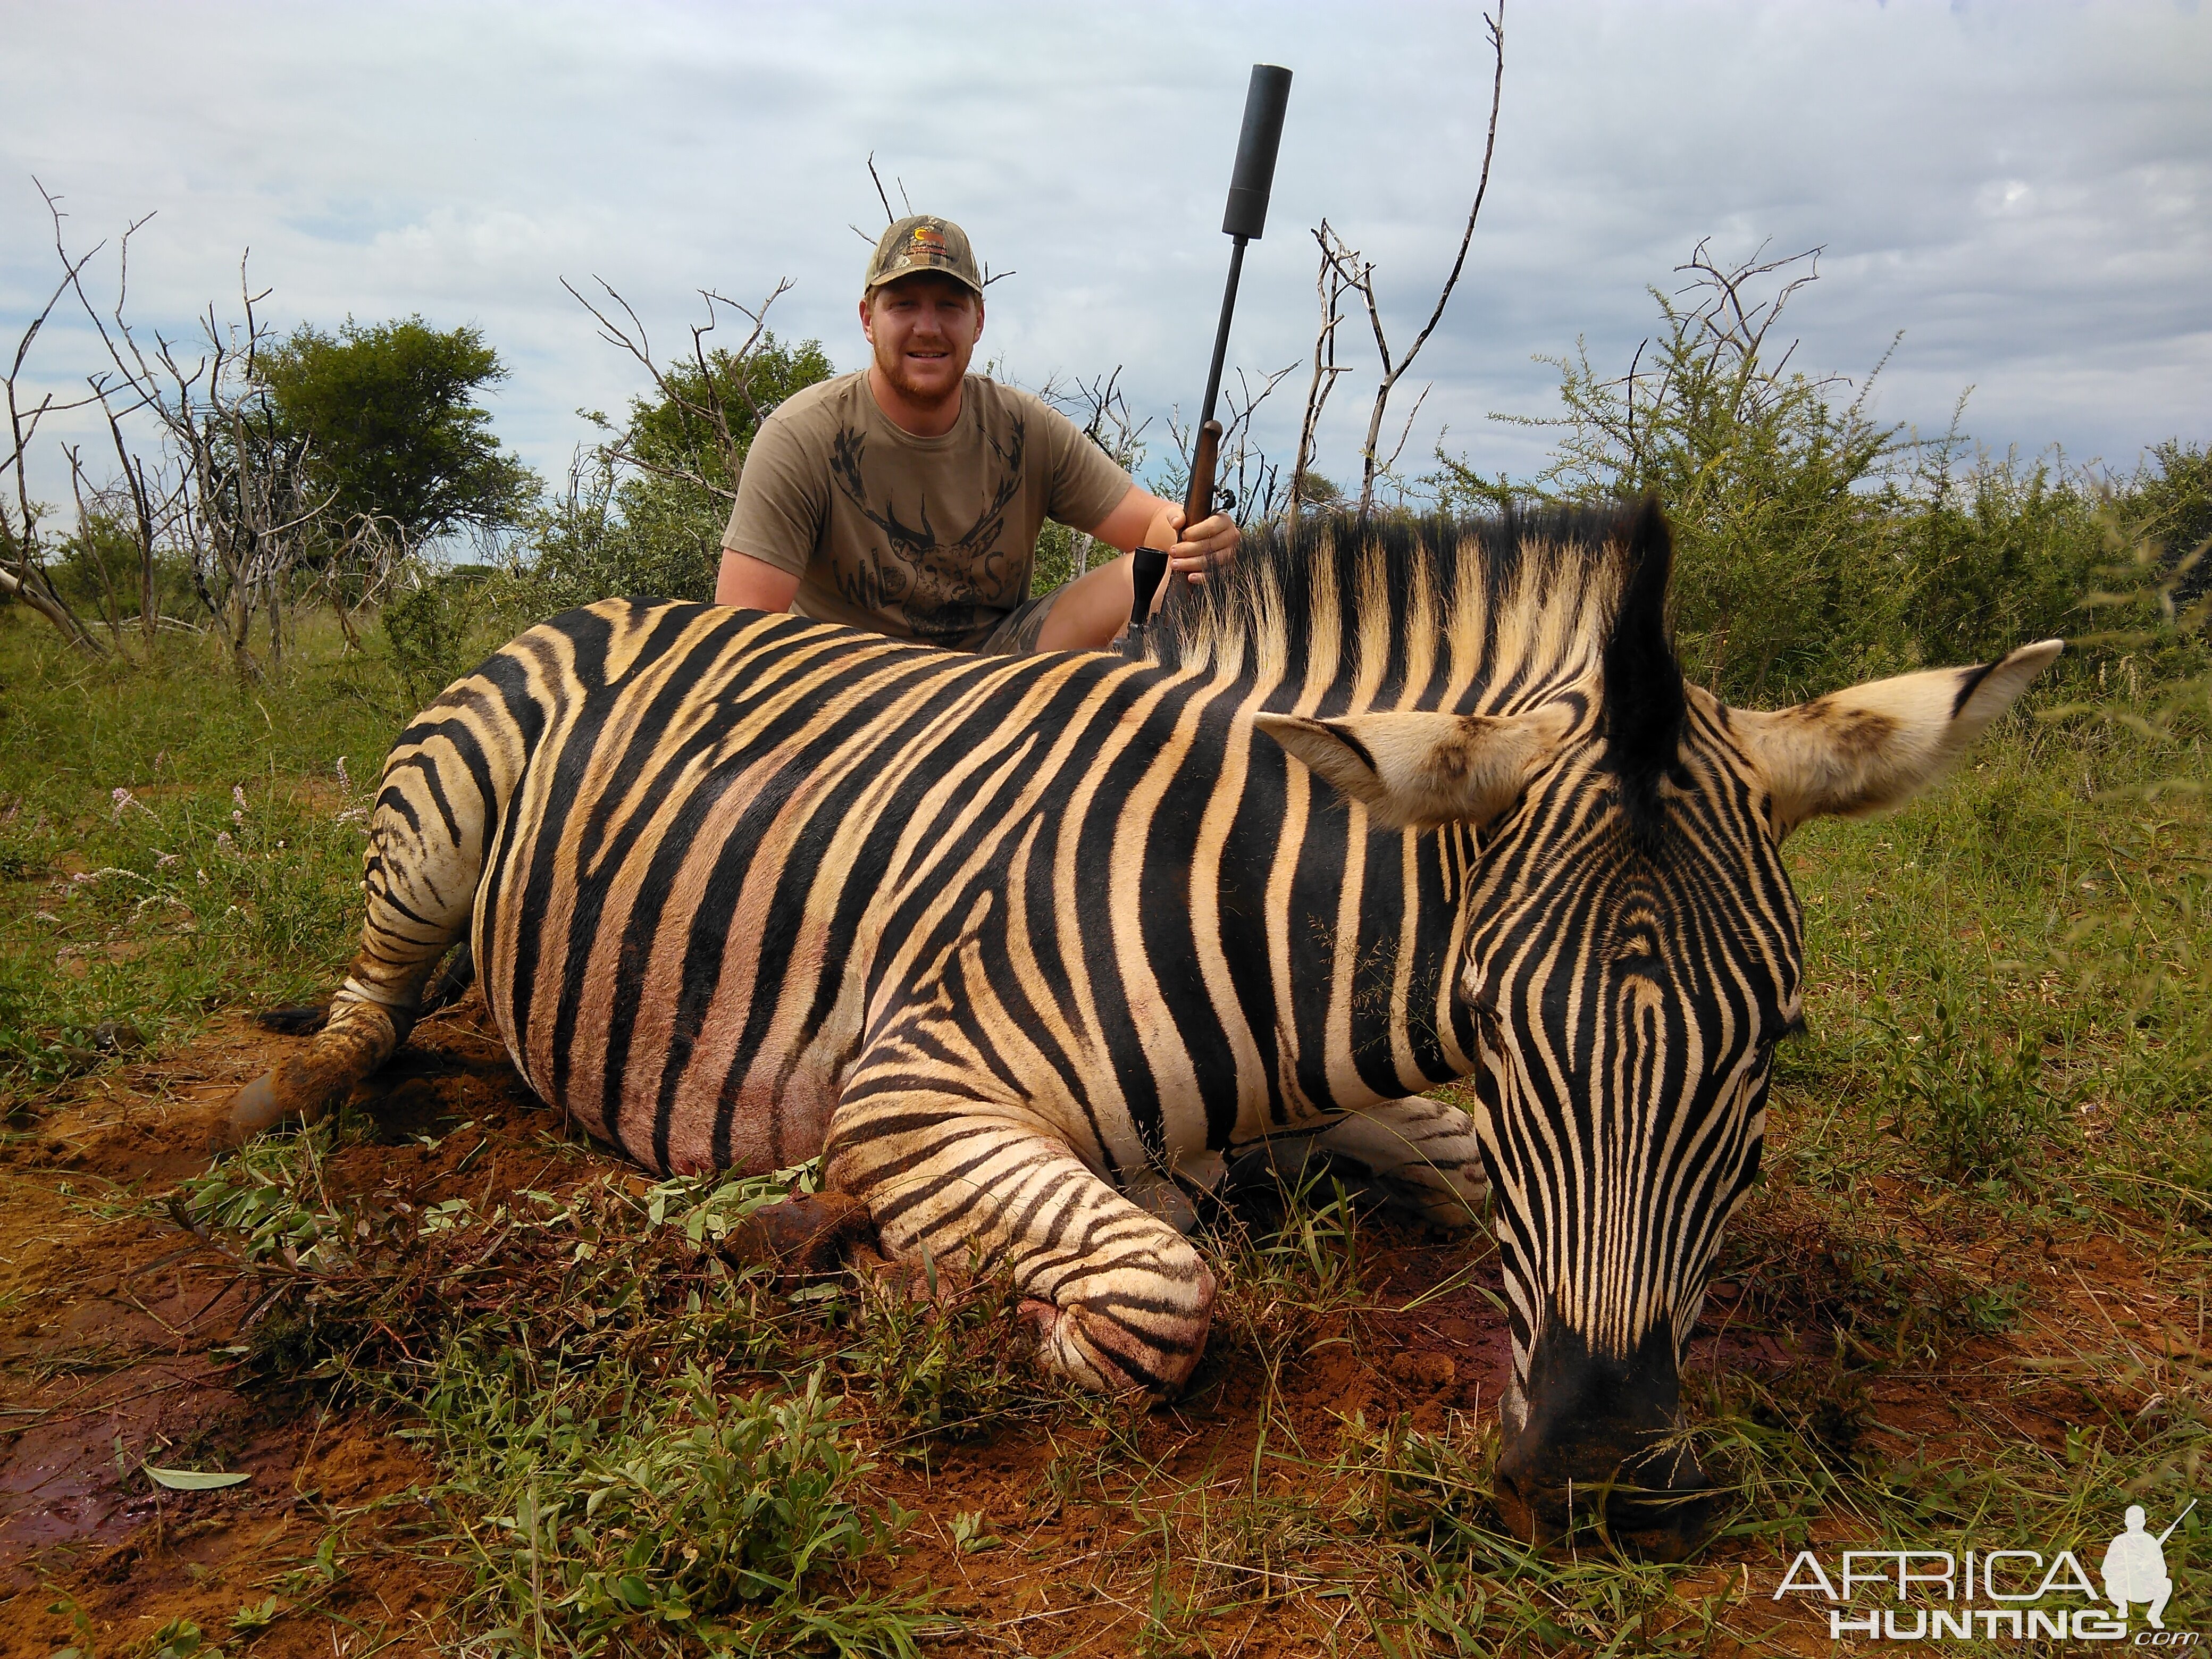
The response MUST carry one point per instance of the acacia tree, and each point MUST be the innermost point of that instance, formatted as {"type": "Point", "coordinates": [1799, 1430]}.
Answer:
{"type": "Point", "coordinates": [24, 541]}
{"type": "Point", "coordinates": [395, 436]}
{"type": "Point", "coordinates": [1773, 478]}
{"type": "Point", "coordinates": [225, 489]}
{"type": "Point", "coordinates": [388, 408]}
{"type": "Point", "coordinates": [249, 509]}
{"type": "Point", "coordinates": [229, 491]}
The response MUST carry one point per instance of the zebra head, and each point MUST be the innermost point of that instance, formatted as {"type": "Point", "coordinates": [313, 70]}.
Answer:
{"type": "Point", "coordinates": [1633, 954]}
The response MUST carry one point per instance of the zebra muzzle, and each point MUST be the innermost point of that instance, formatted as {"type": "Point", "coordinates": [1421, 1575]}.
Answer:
{"type": "Point", "coordinates": [1597, 1447]}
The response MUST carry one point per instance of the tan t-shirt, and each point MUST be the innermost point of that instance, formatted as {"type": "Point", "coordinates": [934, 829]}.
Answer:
{"type": "Point", "coordinates": [921, 539]}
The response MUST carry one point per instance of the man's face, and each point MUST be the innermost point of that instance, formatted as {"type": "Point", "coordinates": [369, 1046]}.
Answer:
{"type": "Point", "coordinates": [924, 329]}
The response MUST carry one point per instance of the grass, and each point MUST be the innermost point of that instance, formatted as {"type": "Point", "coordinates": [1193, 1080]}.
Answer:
{"type": "Point", "coordinates": [170, 844]}
{"type": "Point", "coordinates": [1964, 1306]}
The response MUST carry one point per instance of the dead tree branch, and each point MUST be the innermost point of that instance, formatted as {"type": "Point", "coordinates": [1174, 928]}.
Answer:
{"type": "Point", "coordinates": [881, 195]}
{"type": "Point", "coordinates": [1329, 289]}
{"type": "Point", "coordinates": [23, 541]}
{"type": "Point", "coordinates": [1257, 475]}
{"type": "Point", "coordinates": [1359, 276]}
{"type": "Point", "coordinates": [1101, 407]}
{"type": "Point", "coordinates": [707, 404]}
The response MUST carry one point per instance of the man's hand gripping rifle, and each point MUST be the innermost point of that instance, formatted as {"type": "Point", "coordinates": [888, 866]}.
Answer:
{"type": "Point", "coordinates": [1244, 219]}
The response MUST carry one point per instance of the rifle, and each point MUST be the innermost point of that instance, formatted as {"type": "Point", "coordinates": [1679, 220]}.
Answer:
{"type": "Point", "coordinates": [2177, 1520]}
{"type": "Point", "coordinates": [1250, 183]}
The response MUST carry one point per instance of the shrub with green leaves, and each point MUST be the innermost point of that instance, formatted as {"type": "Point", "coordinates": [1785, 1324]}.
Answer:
{"type": "Point", "coordinates": [451, 620]}
{"type": "Point", "coordinates": [1814, 545]}
{"type": "Point", "coordinates": [1974, 1095]}
{"type": "Point", "coordinates": [949, 1358]}
{"type": "Point", "coordinates": [620, 1517]}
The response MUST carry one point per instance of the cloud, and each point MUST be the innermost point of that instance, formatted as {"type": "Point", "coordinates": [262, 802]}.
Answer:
{"type": "Point", "coordinates": [2024, 189]}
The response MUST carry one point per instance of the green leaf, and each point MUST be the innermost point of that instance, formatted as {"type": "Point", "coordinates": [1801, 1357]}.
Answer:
{"type": "Point", "coordinates": [193, 1480]}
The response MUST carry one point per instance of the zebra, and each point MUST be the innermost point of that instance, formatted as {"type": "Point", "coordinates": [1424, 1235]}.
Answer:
{"type": "Point", "coordinates": [1032, 951]}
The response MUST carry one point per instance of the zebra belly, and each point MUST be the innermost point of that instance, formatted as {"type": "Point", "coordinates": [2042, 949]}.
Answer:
{"type": "Point", "coordinates": [666, 968]}
{"type": "Point", "coordinates": [744, 855]}
{"type": "Point", "coordinates": [709, 860]}
{"type": "Point", "coordinates": [646, 1003]}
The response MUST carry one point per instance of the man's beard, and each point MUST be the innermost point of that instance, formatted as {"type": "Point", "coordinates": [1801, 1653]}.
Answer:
{"type": "Point", "coordinates": [895, 369]}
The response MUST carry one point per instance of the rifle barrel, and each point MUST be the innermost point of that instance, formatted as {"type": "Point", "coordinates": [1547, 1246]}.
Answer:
{"type": "Point", "coordinates": [1221, 334]}
{"type": "Point", "coordinates": [1266, 98]}
{"type": "Point", "coordinates": [1251, 183]}
{"type": "Point", "coordinates": [2177, 1520]}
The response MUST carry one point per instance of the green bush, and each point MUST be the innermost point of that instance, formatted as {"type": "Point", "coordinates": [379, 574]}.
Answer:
{"type": "Point", "coordinates": [1814, 546]}
{"type": "Point", "coordinates": [645, 511]}
{"type": "Point", "coordinates": [628, 1523]}
{"type": "Point", "coordinates": [1999, 557]}
{"type": "Point", "coordinates": [1975, 1097]}
{"type": "Point", "coordinates": [2173, 490]}
{"type": "Point", "coordinates": [452, 620]}
{"type": "Point", "coordinates": [715, 1504]}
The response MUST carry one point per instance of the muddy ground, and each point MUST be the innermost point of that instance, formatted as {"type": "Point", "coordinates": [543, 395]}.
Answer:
{"type": "Point", "coordinates": [119, 1348]}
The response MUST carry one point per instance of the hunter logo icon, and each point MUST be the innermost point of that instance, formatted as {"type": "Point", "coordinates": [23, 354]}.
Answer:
{"type": "Point", "coordinates": [928, 240]}
{"type": "Point", "coordinates": [2135, 1567]}
{"type": "Point", "coordinates": [1936, 1595]}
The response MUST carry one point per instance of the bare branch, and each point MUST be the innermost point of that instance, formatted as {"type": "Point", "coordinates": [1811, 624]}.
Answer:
{"type": "Point", "coordinates": [890, 218]}
{"type": "Point", "coordinates": [1102, 410]}
{"type": "Point", "coordinates": [708, 407]}
{"type": "Point", "coordinates": [1364, 279]}
{"type": "Point", "coordinates": [1408, 430]}
{"type": "Point", "coordinates": [1329, 289]}
{"type": "Point", "coordinates": [1253, 472]}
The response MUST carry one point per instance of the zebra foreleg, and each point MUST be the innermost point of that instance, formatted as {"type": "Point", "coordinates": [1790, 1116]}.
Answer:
{"type": "Point", "coordinates": [1424, 1154]}
{"type": "Point", "coordinates": [1120, 1297]}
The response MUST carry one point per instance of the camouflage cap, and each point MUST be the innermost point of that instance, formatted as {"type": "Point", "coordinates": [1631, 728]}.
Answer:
{"type": "Point", "coordinates": [920, 242]}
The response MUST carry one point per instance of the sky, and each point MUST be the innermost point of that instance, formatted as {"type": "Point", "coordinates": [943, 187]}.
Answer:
{"type": "Point", "coordinates": [2023, 189]}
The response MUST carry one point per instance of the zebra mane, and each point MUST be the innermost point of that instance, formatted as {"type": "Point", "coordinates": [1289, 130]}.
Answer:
{"type": "Point", "coordinates": [1474, 614]}
{"type": "Point", "coordinates": [1645, 706]}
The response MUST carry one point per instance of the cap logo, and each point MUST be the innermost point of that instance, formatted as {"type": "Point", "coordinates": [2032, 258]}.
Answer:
{"type": "Point", "coordinates": [923, 242]}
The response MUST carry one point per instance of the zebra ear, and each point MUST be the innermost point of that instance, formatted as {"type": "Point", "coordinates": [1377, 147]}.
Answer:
{"type": "Point", "coordinates": [1414, 767]}
{"type": "Point", "coordinates": [1879, 745]}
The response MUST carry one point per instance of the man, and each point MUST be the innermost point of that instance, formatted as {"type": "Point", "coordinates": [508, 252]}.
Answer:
{"type": "Point", "coordinates": [906, 498]}
{"type": "Point", "coordinates": [2135, 1569]}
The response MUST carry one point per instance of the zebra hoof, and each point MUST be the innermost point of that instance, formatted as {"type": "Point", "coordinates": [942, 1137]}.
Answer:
{"type": "Point", "coordinates": [802, 1238]}
{"type": "Point", "coordinates": [253, 1109]}
{"type": "Point", "coordinates": [1097, 1351]}
{"type": "Point", "coordinates": [263, 1104]}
